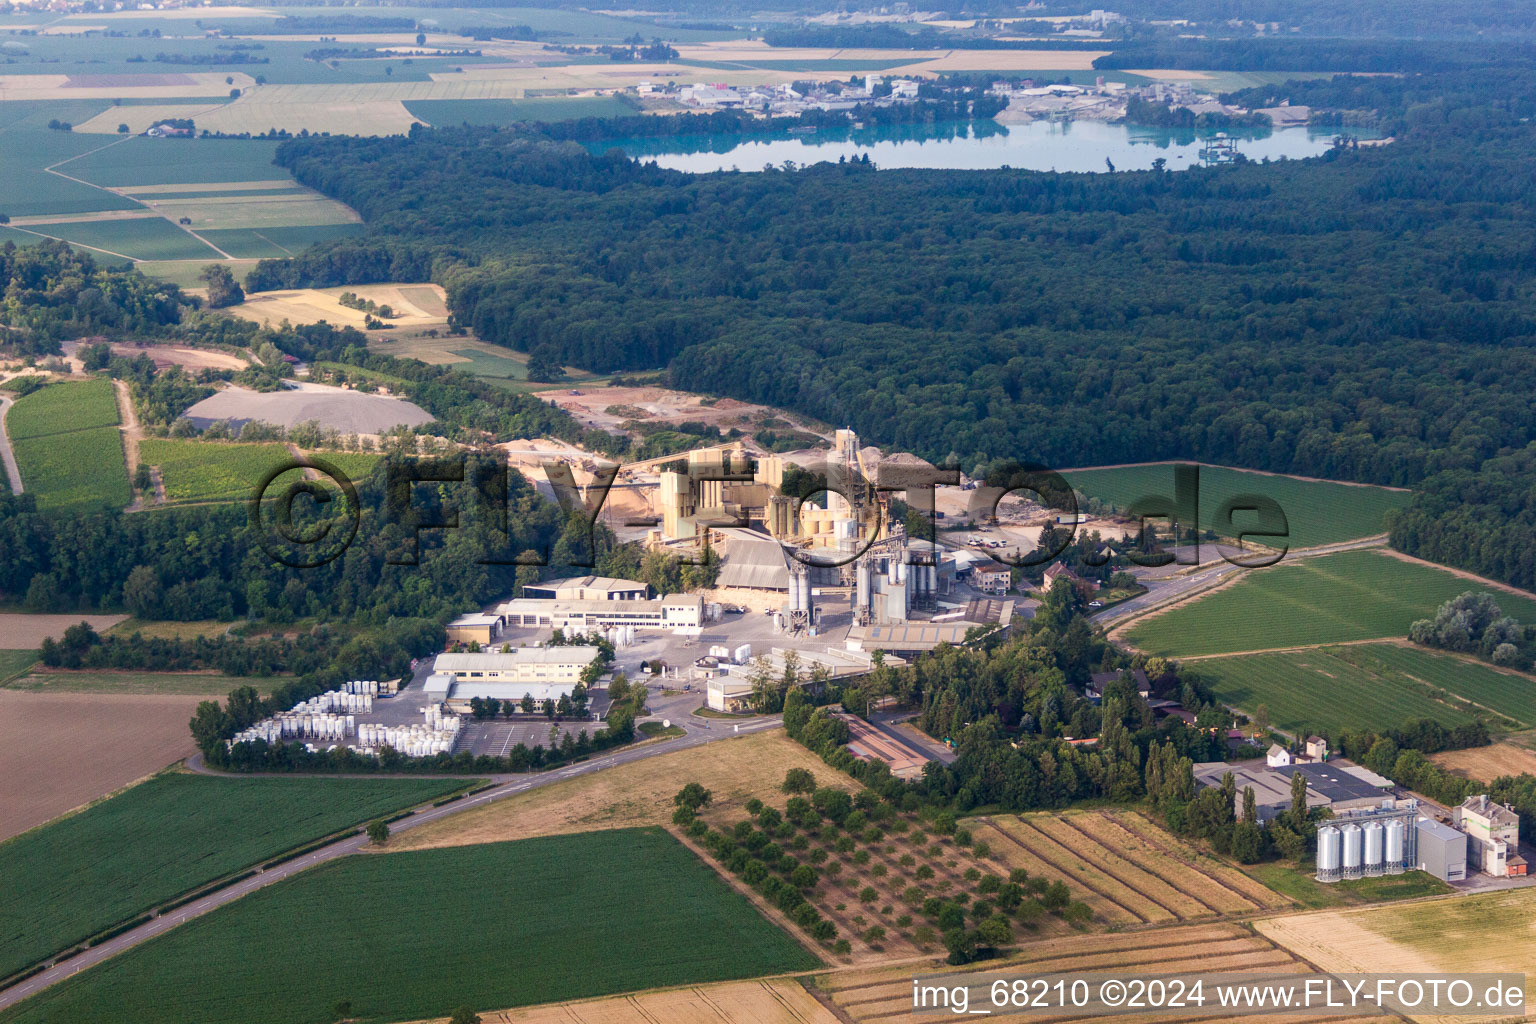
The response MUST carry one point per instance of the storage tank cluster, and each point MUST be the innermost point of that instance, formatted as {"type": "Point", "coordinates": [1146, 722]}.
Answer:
{"type": "Point", "coordinates": [1369, 841]}
{"type": "Point", "coordinates": [1354, 850]}
{"type": "Point", "coordinates": [619, 636]}
{"type": "Point", "coordinates": [410, 740]}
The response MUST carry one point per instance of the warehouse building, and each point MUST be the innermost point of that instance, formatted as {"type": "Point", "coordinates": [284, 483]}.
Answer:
{"type": "Point", "coordinates": [672, 613]}
{"type": "Point", "coordinates": [544, 673]}
{"type": "Point", "coordinates": [1271, 790]}
{"type": "Point", "coordinates": [1343, 790]}
{"type": "Point", "coordinates": [1442, 851]}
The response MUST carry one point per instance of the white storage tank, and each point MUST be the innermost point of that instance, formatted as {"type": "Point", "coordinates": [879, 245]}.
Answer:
{"type": "Point", "coordinates": [1375, 848]}
{"type": "Point", "coordinates": [1396, 841]}
{"type": "Point", "coordinates": [1354, 850]}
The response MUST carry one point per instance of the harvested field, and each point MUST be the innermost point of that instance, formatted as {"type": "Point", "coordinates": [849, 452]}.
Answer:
{"type": "Point", "coordinates": [1174, 850]}
{"type": "Point", "coordinates": [1488, 763]}
{"type": "Point", "coordinates": [43, 735]}
{"type": "Point", "coordinates": [735, 770]}
{"type": "Point", "coordinates": [1131, 869]}
{"type": "Point", "coordinates": [198, 84]}
{"type": "Point", "coordinates": [1493, 931]}
{"type": "Point", "coordinates": [776, 1001]}
{"type": "Point", "coordinates": [311, 305]}
{"type": "Point", "coordinates": [1014, 854]}
{"type": "Point", "coordinates": [22, 630]}
{"type": "Point", "coordinates": [351, 412]}
{"type": "Point", "coordinates": [886, 993]}
{"type": "Point", "coordinates": [165, 356]}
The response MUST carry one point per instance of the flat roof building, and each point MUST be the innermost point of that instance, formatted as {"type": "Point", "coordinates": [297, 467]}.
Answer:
{"type": "Point", "coordinates": [1442, 851]}
{"type": "Point", "coordinates": [475, 628]}
{"type": "Point", "coordinates": [588, 588]}
{"type": "Point", "coordinates": [1343, 790]}
{"type": "Point", "coordinates": [1494, 831]}
{"type": "Point", "coordinates": [1271, 789]}
{"type": "Point", "coordinates": [671, 613]}
{"type": "Point", "coordinates": [544, 673]}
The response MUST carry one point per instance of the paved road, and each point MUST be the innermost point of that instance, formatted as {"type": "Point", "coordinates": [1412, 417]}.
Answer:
{"type": "Point", "coordinates": [11, 469]}
{"type": "Point", "coordinates": [1209, 575]}
{"type": "Point", "coordinates": [698, 731]}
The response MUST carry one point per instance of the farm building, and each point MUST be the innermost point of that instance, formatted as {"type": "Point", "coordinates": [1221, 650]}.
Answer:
{"type": "Point", "coordinates": [588, 588]}
{"type": "Point", "coordinates": [1442, 851]}
{"type": "Point", "coordinates": [1278, 756]}
{"type": "Point", "coordinates": [1494, 830]}
{"type": "Point", "coordinates": [672, 613]}
{"type": "Point", "coordinates": [1317, 748]}
{"type": "Point", "coordinates": [480, 629]}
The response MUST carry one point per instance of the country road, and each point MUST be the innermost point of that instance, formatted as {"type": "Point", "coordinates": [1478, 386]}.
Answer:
{"type": "Point", "coordinates": [11, 469]}
{"type": "Point", "coordinates": [698, 731]}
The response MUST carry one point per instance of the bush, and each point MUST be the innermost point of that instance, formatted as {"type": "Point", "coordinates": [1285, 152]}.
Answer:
{"type": "Point", "coordinates": [799, 780]}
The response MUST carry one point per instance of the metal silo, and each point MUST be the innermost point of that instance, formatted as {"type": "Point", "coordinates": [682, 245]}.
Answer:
{"type": "Point", "coordinates": [1375, 848]}
{"type": "Point", "coordinates": [1354, 843]}
{"type": "Point", "coordinates": [1328, 856]}
{"type": "Point", "coordinates": [1396, 835]}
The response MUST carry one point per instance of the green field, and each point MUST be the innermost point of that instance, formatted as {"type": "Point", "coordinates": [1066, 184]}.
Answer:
{"type": "Point", "coordinates": [27, 147]}
{"type": "Point", "coordinates": [447, 113]}
{"type": "Point", "coordinates": [1353, 595]}
{"type": "Point", "coordinates": [412, 935]}
{"type": "Point", "coordinates": [484, 364]}
{"type": "Point", "coordinates": [211, 471]}
{"type": "Point", "coordinates": [138, 160]}
{"type": "Point", "coordinates": [1372, 686]}
{"type": "Point", "coordinates": [140, 238]}
{"type": "Point", "coordinates": [81, 874]}
{"type": "Point", "coordinates": [61, 407]}
{"type": "Point", "coordinates": [130, 682]}
{"type": "Point", "coordinates": [1317, 512]}
{"type": "Point", "coordinates": [14, 663]}
{"type": "Point", "coordinates": [69, 455]}
{"type": "Point", "coordinates": [275, 242]}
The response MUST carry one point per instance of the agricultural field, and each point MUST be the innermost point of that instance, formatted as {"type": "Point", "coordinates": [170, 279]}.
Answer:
{"type": "Point", "coordinates": [1372, 686]}
{"type": "Point", "coordinates": [63, 407]}
{"type": "Point", "coordinates": [664, 917]}
{"type": "Point", "coordinates": [312, 305]}
{"type": "Point", "coordinates": [43, 735]}
{"type": "Point", "coordinates": [1493, 931]}
{"type": "Point", "coordinates": [772, 1001]}
{"type": "Point", "coordinates": [15, 663]}
{"type": "Point", "coordinates": [624, 796]}
{"type": "Point", "coordinates": [274, 242]}
{"type": "Point", "coordinates": [131, 238]}
{"type": "Point", "coordinates": [1350, 596]}
{"type": "Point", "coordinates": [154, 841]}
{"type": "Point", "coordinates": [1488, 763]}
{"type": "Point", "coordinates": [875, 884]}
{"type": "Point", "coordinates": [1317, 511]}
{"type": "Point", "coordinates": [885, 994]}
{"type": "Point", "coordinates": [20, 630]}
{"type": "Point", "coordinates": [67, 454]}
{"type": "Point", "coordinates": [447, 113]}
{"type": "Point", "coordinates": [135, 683]}
{"type": "Point", "coordinates": [210, 471]}
{"type": "Point", "coordinates": [1130, 870]}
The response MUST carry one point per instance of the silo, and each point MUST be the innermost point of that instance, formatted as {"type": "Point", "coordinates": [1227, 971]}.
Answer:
{"type": "Point", "coordinates": [1375, 848]}
{"type": "Point", "coordinates": [861, 579]}
{"type": "Point", "coordinates": [1396, 833]}
{"type": "Point", "coordinates": [1327, 854]}
{"type": "Point", "coordinates": [1354, 843]}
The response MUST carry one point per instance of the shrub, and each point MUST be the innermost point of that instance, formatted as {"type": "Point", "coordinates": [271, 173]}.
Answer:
{"type": "Point", "coordinates": [878, 870]}
{"type": "Point", "coordinates": [923, 872]}
{"type": "Point", "coordinates": [868, 894]}
{"type": "Point", "coordinates": [754, 806]}
{"type": "Point", "coordinates": [981, 849]}
{"type": "Point", "coordinates": [874, 936]}
{"type": "Point", "coordinates": [963, 836]}
{"type": "Point", "coordinates": [861, 857]}
{"type": "Point", "coordinates": [841, 947]}
{"type": "Point", "coordinates": [799, 780]}
{"type": "Point", "coordinates": [923, 936]}
{"type": "Point", "coordinates": [972, 875]}
{"type": "Point", "coordinates": [904, 921]}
